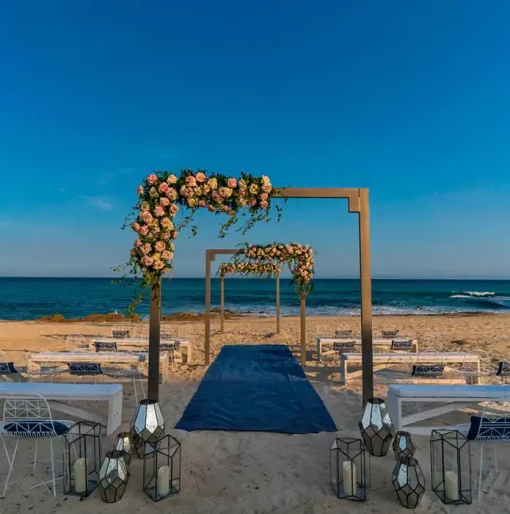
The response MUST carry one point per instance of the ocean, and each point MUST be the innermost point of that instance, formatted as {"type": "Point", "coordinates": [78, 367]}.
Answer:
{"type": "Point", "coordinates": [30, 298]}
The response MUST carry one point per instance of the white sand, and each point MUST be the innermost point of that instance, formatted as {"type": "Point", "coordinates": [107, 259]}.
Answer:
{"type": "Point", "coordinates": [227, 472]}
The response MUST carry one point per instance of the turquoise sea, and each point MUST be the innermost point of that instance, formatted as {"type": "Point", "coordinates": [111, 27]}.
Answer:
{"type": "Point", "coordinates": [30, 298]}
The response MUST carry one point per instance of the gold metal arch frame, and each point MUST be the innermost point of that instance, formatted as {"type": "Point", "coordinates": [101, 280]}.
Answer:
{"type": "Point", "coordinates": [222, 292]}
{"type": "Point", "coordinates": [357, 203]}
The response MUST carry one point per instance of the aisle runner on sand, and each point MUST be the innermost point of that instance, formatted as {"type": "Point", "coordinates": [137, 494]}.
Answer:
{"type": "Point", "coordinates": [256, 388]}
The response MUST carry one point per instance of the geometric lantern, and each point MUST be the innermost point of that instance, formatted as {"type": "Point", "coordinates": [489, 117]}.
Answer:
{"type": "Point", "coordinates": [409, 482]}
{"type": "Point", "coordinates": [123, 442]}
{"type": "Point", "coordinates": [349, 469]}
{"type": "Point", "coordinates": [82, 458]}
{"type": "Point", "coordinates": [147, 427]}
{"type": "Point", "coordinates": [450, 467]}
{"type": "Point", "coordinates": [162, 469]}
{"type": "Point", "coordinates": [113, 477]}
{"type": "Point", "coordinates": [376, 427]}
{"type": "Point", "coordinates": [403, 445]}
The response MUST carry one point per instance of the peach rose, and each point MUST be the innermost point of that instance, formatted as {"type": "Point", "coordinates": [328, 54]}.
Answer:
{"type": "Point", "coordinates": [163, 187]}
{"type": "Point", "coordinates": [202, 203]}
{"type": "Point", "coordinates": [211, 208]}
{"type": "Point", "coordinates": [191, 180]}
{"type": "Point", "coordinates": [232, 182]}
{"type": "Point", "coordinates": [212, 183]}
{"type": "Point", "coordinates": [147, 217]}
{"type": "Point", "coordinates": [159, 265]}
{"type": "Point", "coordinates": [264, 205]}
{"type": "Point", "coordinates": [201, 177]}
{"type": "Point", "coordinates": [172, 193]}
{"type": "Point", "coordinates": [144, 230]}
{"type": "Point", "coordinates": [174, 208]}
{"type": "Point", "coordinates": [152, 179]}
{"type": "Point", "coordinates": [163, 201]}
{"type": "Point", "coordinates": [135, 226]}
{"type": "Point", "coordinates": [145, 206]}
{"type": "Point", "coordinates": [159, 211]}
{"type": "Point", "coordinates": [166, 255]}
{"type": "Point", "coordinates": [160, 246]}
{"type": "Point", "coordinates": [172, 179]}
{"type": "Point", "coordinates": [139, 190]}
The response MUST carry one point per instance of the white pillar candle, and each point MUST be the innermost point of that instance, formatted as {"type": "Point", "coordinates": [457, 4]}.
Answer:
{"type": "Point", "coordinates": [349, 475]}
{"type": "Point", "coordinates": [451, 486]}
{"type": "Point", "coordinates": [80, 476]}
{"type": "Point", "coordinates": [163, 480]}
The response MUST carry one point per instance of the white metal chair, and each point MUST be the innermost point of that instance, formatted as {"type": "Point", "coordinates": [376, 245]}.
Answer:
{"type": "Point", "coordinates": [29, 417]}
{"type": "Point", "coordinates": [493, 426]}
{"type": "Point", "coordinates": [7, 368]}
{"type": "Point", "coordinates": [49, 371]}
{"type": "Point", "coordinates": [134, 372]}
{"type": "Point", "coordinates": [470, 370]}
{"type": "Point", "coordinates": [121, 333]}
{"type": "Point", "coordinates": [426, 372]}
{"type": "Point", "coordinates": [390, 334]}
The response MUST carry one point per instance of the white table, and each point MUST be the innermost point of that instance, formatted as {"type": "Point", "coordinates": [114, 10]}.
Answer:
{"type": "Point", "coordinates": [453, 397]}
{"type": "Point", "coordinates": [35, 361]}
{"type": "Point", "coordinates": [382, 360]}
{"type": "Point", "coordinates": [140, 342]}
{"type": "Point", "coordinates": [59, 394]}
{"type": "Point", "coordinates": [375, 342]}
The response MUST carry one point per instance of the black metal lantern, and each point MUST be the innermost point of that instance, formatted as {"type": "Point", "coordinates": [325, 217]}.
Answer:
{"type": "Point", "coordinates": [125, 443]}
{"type": "Point", "coordinates": [113, 476]}
{"type": "Point", "coordinates": [349, 469]}
{"type": "Point", "coordinates": [148, 426]}
{"type": "Point", "coordinates": [409, 482]}
{"type": "Point", "coordinates": [82, 458]}
{"type": "Point", "coordinates": [450, 467]}
{"type": "Point", "coordinates": [376, 427]}
{"type": "Point", "coordinates": [162, 469]}
{"type": "Point", "coordinates": [403, 445]}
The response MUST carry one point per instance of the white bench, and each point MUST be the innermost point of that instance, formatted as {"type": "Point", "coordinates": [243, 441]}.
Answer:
{"type": "Point", "coordinates": [138, 342]}
{"type": "Point", "coordinates": [454, 397]}
{"type": "Point", "coordinates": [382, 360]}
{"type": "Point", "coordinates": [35, 361]}
{"type": "Point", "coordinates": [375, 342]}
{"type": "Point", "coordinates": [56, 394]}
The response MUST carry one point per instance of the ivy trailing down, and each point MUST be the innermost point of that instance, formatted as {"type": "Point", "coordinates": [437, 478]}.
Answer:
{"type": "Point", "coordinates": [163, 194]}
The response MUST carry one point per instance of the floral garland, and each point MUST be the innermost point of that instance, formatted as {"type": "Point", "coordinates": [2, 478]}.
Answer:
{"type": "Point", "coordinates": [160, 197]}
{"type": "Point", "coordinates": [299, 259]}
{"type": "Point", "coordinates": [261, 269]}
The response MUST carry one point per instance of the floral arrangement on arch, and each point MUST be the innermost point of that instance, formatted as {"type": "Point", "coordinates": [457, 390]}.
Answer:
{"type": "Point", "coordinates": [163, 194]}
{"type": "Point", "coordinates": [260, 269]}
{"type": "Point", "coordinates": [299, 259]}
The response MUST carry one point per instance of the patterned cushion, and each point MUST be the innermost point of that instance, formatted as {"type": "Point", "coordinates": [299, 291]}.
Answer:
{"type": "Point", "coordinates": [390, 334]}
{"type": "Point", "coordinates": [104, 346]}
{"type": "Point", "coordinates": [36, 428]}
{"type": "Point", "coordinates": [492, 428]}
{"type": "Point", "coordinates": [348, 346]}
{"type": "Point", "coordinates": [503, 369]}
{"type": "Point", "coordinates": [340, 334]}
{"type": "Point", "coordinates": [171, 346]}
{"type": "Point", "coordinates": [7, 368]}
{"type": "Point", "coordinates": [121, 333]}
{"type": "Point", "coordinates": [428, 370]}
{"type": "Point", "coordinates": [85, 368]}
{"type": "Point", "coordinates": [402, 345]}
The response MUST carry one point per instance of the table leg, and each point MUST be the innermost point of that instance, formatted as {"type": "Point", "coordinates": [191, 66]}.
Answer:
{"type": "Point", "coordinates": [114, 413]}
{"type": "Point", "coordinates": [343, 370]}
{"type": "Point", "coordinates": [164, 370]}
{"type": "Point", "coordinates": [190, 357]}
{"type": "Point", "coordinates": [319, 356]}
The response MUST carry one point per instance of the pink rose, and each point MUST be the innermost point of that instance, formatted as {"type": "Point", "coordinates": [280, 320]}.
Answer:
{"type": "Point", "coordinates": [135, 226]}
{"type": "Point", "coordinates": [146, 248]}
{"type": "Point", "coordinates": [152, 179]}
{"type": "Point", "coordinates": [139, 190]}
{"type": "Point", "coordinates": [264, 196]}
{"type": "Point", "coordinates": [167, 235]}
{"type": "Point", "coordinates": [232, 182]}
{"type": "Point", "coordinates": [138, 243]}
{"type": "Point", "coordinates": [174, 208]}
{"type": "Point", "coordinates": [144, 230]}
{"type": "Point", "coordinates": [159, 211]}
{"type": "Point", "coordinates": [172, 179]}
{"type": "Point", "coordinates": [159, 265]}
{"type": "Point", "coordinates": [201, 177]}
{"type": "Point", "coordinates": [202, 203]}
{"type": "Point", "coordinates": [191, 180]}
{"type": "Point", "coordinates": [166, 255]}
{"type": "Point", "coordinates": [163, 187]}
{"type": "Point", "coordinates": [147, 217]}
{"type": "Point", "coordinates": [172, 193]}
{"type": "Point", "coordinates": [253, 202]}
{"type": "Point", "coordinates": [148, 261]}
{"type": "Point", "coordinates": [163, 201]}
{"type": "Point", "coordinates": [160, 246]}
{"type": "Point", "coordinates": [264, 205]}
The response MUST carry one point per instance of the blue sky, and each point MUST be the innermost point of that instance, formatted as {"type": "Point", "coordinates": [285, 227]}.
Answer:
{"type": "Point", "coordinates": [410, 99]}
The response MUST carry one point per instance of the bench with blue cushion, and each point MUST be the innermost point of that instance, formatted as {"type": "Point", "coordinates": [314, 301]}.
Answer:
{"type": "Point", "coordinates": [8, 368]}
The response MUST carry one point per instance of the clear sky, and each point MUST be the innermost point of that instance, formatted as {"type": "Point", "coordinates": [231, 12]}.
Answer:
{"type": "Point", "coordinates": [408, 98]}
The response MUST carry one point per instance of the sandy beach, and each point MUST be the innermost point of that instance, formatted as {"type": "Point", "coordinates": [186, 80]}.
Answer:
{"type": "Point", "coordinates": [227, 472]}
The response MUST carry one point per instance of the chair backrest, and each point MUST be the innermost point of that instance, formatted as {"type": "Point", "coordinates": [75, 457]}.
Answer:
{"type": "Point", "coordinates": [402, 345]}
{"type": "Point", "coordinates": [76, 342]}
{"type": "Point", "coordinates": [389, 334]}
{"type": "Point", "coordinates": [170, 346]}
{"type": "Point", "coordinates": [427, 370]}
{"type": "Point", "coordinates": [343, 334]}
{"type": "Point", "coordinates": [493, 424]}
{"type": "Point", "coordinates": [85, 368]}
{"type": "Point", "coordinates": [345, 347]}
{"type": "Point", "coordinates": [105, 346]}
{"type": "Point", "coordinates": [7, 368]}
{"type": "Point", "coordinates": [503, 369]}
{"type": "Point", "coordinates": [121, 334]}
{"type": "Point", "coordinates": [20, 408]}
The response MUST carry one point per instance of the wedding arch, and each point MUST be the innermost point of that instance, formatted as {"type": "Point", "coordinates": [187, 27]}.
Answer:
{"type": "Point", "coordinates": [162, 194]}
{"type": "Point", "coordinates": [254, 269]}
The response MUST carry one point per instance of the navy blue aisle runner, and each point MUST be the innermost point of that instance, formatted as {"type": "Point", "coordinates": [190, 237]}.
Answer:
{"type": "Point", "coordinates": [256, 388]}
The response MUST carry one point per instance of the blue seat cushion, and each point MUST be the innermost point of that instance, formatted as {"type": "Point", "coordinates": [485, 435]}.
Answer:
{"type": "Point", "coordinates": [7, 368]}
{"type": "Point", "coordinates": [85, 368]}
{"type": "Point", "coordinates": [344, 347]}
{"type": "Point", "coordinates": [35, 428]}
{"type": "Point", "coordinates": [503, 369]}
{"type": "Point", "coordinates": [402, 345]}
{"type": "Point", "coordinates": [100, 346]}
{"type": "Point", "coordinates": [428, 370]}
{"type": "Point", "coordinates": [497, 428]}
